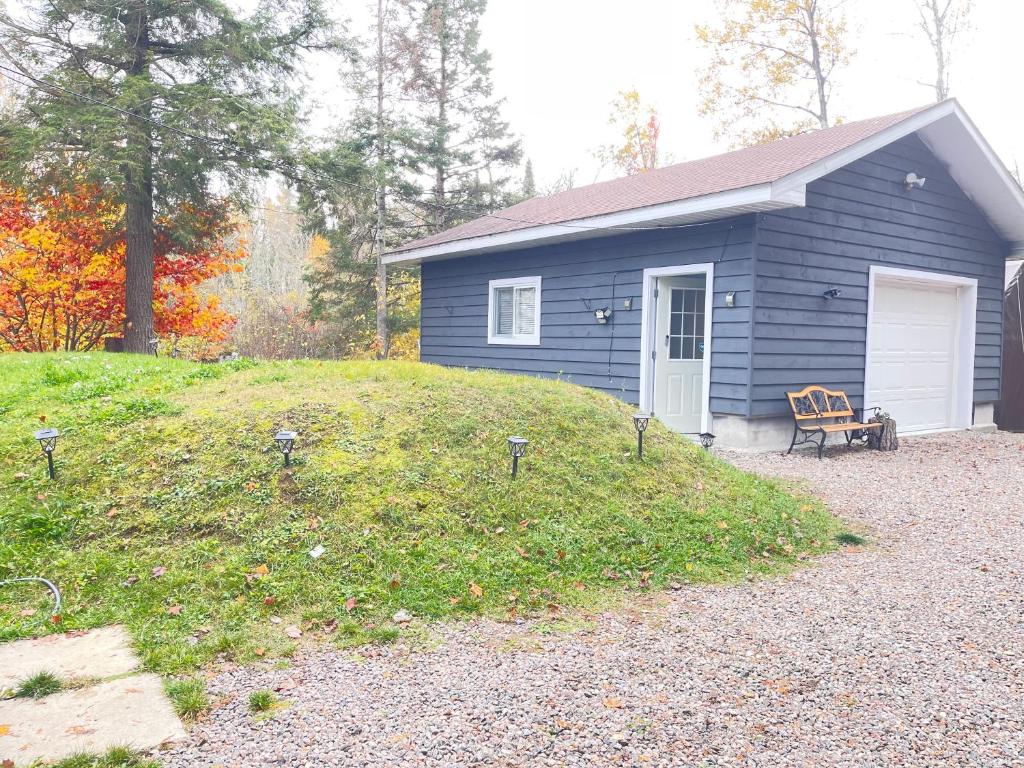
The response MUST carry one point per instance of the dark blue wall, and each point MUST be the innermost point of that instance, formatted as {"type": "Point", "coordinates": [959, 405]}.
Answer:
{"type": "Point", "coordinates": [778, 263]}
{"type": "Point", "coordinates": [573, 345]}
{"type": "Point", "coordinates": [855, 217]}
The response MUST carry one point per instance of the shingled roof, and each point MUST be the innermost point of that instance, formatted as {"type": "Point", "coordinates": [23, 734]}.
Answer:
{"type": "Point", "coordinates": [581, 211]}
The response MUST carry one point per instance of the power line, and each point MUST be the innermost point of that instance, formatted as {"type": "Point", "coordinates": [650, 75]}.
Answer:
{"type": "Point", "coordinates": [278, 164]}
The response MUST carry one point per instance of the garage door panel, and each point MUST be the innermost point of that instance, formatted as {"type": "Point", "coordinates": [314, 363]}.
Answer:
{"type": "Point", "coordinates": [913, 353]}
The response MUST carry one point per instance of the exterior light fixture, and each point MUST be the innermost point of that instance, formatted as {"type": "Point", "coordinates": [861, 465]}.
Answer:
{"type": "Point", "coordinates": [517, 447]}
{"type": "Point", "coordinates": [602, 314]}
{"type": "Point", "coordinates": [832, 293]}
{"type": "Point", "coordinates": [48, 441]}
{"type": "Point", "coordinates": [913, 180]}
{"type": "Point", "coordinates": [285, 442]}
{"type": "Point", "coordinates": [640, 421]}
{"type": "Point", "coordinates": [706, 439]}
{"type": "Point", "coordinates": [154, 345]}
{"type": "Point", "coordinates": [730, 299]}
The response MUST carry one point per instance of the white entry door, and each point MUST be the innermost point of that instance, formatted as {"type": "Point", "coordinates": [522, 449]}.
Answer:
{"type": "Point", "coordinates": [914, 342]}
{"type": "Point", "coordinates": [679, 347]}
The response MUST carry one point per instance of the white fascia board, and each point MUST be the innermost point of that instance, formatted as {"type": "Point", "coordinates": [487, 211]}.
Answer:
{"type": "Point", "coordinates": [759, 197]}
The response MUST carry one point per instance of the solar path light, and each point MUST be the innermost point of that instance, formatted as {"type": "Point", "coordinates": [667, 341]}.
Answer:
{"type": "Point", "coordinates": [48, 441]}
{"type": "Point", "coordinates": [706, 439]}
{"type": "Point", "coordinates": [640, 421]}
{"type": "Point", "coordinates": [285, 442]}
{"type": "Point", "coordinates": [517, 447]}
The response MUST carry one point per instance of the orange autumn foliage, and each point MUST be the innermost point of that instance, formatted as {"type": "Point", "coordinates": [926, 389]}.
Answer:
{"type": "Point", "coordinates": [62, 272]}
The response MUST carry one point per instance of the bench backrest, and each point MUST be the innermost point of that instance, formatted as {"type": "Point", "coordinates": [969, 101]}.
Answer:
{"type": "Point", "coordinates": [815, 402]}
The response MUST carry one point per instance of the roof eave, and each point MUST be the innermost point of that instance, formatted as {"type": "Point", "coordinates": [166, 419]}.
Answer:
{"type": "Point", "coordinates": [761, 197]}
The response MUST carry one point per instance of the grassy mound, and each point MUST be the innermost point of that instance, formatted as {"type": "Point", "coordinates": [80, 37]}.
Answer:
{"type": "Point", "coordinates": [172, 513]}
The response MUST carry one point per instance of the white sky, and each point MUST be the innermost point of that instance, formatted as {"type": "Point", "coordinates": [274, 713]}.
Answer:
{"type": "Point", "coordinates": [559, 63]}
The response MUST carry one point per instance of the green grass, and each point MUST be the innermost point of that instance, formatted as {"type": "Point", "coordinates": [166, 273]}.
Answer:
{"type": "Point", "coordinates": [38, 685]}
{"type": "Point", "coordinates": [848, 539]}
{"type": "Point", "coordinates": [188, 697]}
{"type": "Point", "coordinates": [118, 757]}
{"type": "Point", "coordinates": [172, 514]}
{"type": "Point", "coordinates": [261, 701]}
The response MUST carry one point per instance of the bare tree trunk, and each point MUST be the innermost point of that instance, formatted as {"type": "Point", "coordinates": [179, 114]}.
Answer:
{"type": "Point", "coordinates": [440, 203]}
{"type": "Point", "coordinates": [138, 178]}
{"type": "Point", "coordinates": [820, 80]}
{"type": "Point", "coordinates": [939, 46]}
{"type": "Point", "coordinates": [382, 271]}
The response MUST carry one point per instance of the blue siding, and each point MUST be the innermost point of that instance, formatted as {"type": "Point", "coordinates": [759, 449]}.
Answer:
{"type": "Point", "coordinates": [855, 217]}
{"type": "Point", "coordinates": [604, 271]}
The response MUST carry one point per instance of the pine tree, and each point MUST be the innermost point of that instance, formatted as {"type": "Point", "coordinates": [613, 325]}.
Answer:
{"type": "Point", "coordinates": [529, 183]}
{"type": "Point", "coordinates": [463, 145]}
{"type": "Point", "coordinates": [102, 79]}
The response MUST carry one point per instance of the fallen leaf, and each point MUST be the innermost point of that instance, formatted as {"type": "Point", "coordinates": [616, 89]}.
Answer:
{"type": "Point", "coordinates": [129, 581]}
{"type": "Point", "coordinates": [56, 618]}
{"type": "Point", "coordinates": [396, 581]}
{"type": "Point", "coordinates": [317, 552]}
{"type": "Point", "coordinates": [158, 571]}
{"type": "Point", "coordinates": [275, 619]}
{"type": "Point", "coordinates": [330, 625]}
{"type": "Point", "coordinates": [454, 600]}
{"type": "Point", "coordinates": [561, 554]}
{"type": "Point", "coordinates": [259, 651]}
{"type": "Point", "coordinates": [4, 730]}
{"type": "Point", "coordinates": [7, 764]}
{"type": "Point", "coordinates": [292, 631]}
{"type": "Point", "coordinates": [722, 524]}
{"type": "Point", "coordinates": [174, 610]}
{"type": "Point", "coordinates": [522, 552]}
{"type": "Point", "coordinates": [476, 590]}
{"type": "Point", "coordinates": [269, 600]}
{"type": "Point", "coordinates": [612, 702]}
{"type": "Point", "coordinates": [261, 570]}
{"type": "Point", "coordinates": [580, 586]}
{"type": "Point", "coordinates": [20, 475]}
{"type": "Point", "coordinates": [28, 612]}
{"type": "Point", "coordinates": [42, 418]}
{"type": "Point", "coordinates": [350, 604]}
{"type": "Point", "coordinates": [113, 512]}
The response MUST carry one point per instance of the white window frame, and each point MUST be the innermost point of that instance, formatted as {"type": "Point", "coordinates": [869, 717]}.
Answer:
{"type": "Point", "coordinates": [532, 339]}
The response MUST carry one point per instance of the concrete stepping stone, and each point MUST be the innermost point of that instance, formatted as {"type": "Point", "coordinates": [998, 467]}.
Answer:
{"type": "Point", "coordinates": [131, 711]}
{"type": "Point", "coordinates": [98, 653]}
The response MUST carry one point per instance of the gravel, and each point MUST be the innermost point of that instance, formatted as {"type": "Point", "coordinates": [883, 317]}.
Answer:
{"type": "Point", "coordinates": [906, 651]}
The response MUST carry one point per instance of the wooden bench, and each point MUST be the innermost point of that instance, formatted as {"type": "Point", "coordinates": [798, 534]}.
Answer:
{"type": "Point", "coordinates": [819, 411]}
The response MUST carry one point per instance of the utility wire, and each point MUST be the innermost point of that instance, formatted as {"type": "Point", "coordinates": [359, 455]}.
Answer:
{"type": "Point", "coordinates": [45, 86]}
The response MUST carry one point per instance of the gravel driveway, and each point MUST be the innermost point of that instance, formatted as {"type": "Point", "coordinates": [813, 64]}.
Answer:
{"type": "Point", "coordinates": [909, 651]}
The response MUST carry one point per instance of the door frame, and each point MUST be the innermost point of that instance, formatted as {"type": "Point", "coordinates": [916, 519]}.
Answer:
{"type": "Point", "coordinates": [648, 335]}
{"type": "Point", "coordinates": [961, 416]}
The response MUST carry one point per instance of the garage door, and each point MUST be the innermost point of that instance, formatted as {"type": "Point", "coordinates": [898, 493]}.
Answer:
{"type": "Point", "coordinates": [913, 353]}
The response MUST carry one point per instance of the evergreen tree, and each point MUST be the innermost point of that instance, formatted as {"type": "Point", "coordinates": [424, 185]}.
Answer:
{"type": "Point", "coordinates": [529, 183]}
{"type": "Point", "coordinates": [179, 71]}
{"type": "Point", "coordinates": [462, 144]}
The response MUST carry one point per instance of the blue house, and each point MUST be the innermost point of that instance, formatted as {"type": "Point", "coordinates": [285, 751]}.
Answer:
{"type": "Point", "coordinates": [868, 257]}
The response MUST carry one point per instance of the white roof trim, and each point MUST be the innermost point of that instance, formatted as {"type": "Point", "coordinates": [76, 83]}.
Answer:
{"type": "Point", "coordinates": [945, 128]}
{"type": "Point", "coordinates": [954, 139]}
{"type": "Point", "coordinates": [761, 197]}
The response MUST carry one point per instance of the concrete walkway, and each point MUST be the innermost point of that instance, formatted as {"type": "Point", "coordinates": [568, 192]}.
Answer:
{"type": "Point", "coordinates": [114, 708]}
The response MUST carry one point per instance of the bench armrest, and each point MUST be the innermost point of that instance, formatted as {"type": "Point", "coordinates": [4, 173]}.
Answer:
{"type": "Point", "coordinates": [863, 413]}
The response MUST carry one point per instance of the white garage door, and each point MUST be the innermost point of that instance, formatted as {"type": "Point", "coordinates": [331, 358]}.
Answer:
{"type": "Point", "coordinates": [913, 353]}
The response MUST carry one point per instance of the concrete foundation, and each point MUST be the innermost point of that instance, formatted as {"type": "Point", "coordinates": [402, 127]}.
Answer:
{"type": "Point", "coordinates": [775, 432]}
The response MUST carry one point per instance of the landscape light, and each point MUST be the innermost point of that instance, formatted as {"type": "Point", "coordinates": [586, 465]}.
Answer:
{"type": "Point", "coordinates": [517, 447]}
{"type": "Point", "coordinates": [48, 441]}
{"type": "Point", "coordinates": [640, 421]}
{"type": "Point", "coordinates": [285, 442]}
{"type": "Point", "coordinates": [706, 439]}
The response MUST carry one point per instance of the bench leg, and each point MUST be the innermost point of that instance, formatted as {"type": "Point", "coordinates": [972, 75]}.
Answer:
{"type": "Point", "coordinates": [821, 445]}
{"type": "Point", "coordinates": [793, 441]}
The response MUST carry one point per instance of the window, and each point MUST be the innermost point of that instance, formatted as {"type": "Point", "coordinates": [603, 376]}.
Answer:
{"type": "Point", "coordinates": [513, 311]}
{"type": "Point", "coordinates": [686, 324]}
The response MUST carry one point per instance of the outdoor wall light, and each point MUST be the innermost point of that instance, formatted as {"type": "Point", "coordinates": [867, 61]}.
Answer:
{"type": "Point", "coordinates": [48, 441]}
{"type": "Point", "coordinates": [640, 421]}
{"type": "Point", "coordinates": [913, 180]}
{"type": "Point", "coordinates": [602, 314]}
{"type": "Point", "coordinates": [730, 299]}
{"type": "Point", "coordinates": [517, 447]}
{"type": "Point", "coordinates": [285, 442]}
{"type": "Point", "coordinates": [832, 293]}
{"type": "Point", "coordinates": [706, 439]}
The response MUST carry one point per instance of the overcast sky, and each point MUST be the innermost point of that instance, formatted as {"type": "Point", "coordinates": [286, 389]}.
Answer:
{"type": "Point", "coordinates": [559, 63]}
